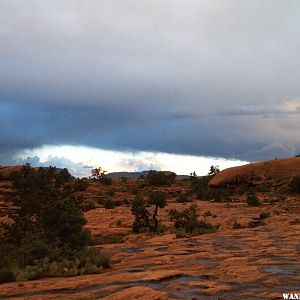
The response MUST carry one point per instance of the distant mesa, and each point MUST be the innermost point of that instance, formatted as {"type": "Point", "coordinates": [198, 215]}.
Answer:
{"type": "Point", "coordinates": [276, 172]}
{"type": "Point", "coordinates": [136, 175]}
{"type": "Point", "coordinates": [6, 171]}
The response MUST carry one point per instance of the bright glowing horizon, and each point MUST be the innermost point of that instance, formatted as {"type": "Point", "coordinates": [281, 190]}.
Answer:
{"type": "Point", "coordinates": [80, 159]}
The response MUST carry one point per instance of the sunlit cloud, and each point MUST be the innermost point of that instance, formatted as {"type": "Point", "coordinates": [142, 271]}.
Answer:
{"type": "Point", "coordinates": [80, 160]}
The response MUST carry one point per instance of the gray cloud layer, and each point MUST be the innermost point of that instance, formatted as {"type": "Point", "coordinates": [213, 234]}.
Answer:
{"type": "Point", "coordinates": [208, 77]}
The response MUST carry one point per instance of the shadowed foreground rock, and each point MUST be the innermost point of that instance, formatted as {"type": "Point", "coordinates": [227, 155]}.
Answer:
{"type": "Point", "coordinates": [249, 263]}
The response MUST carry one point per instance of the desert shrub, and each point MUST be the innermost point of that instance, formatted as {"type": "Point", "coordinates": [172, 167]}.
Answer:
{"type": "Point", "coordinates": [88, 206]}
{"type": "Point", "coordinates": [95, 240]}
{"type": "Point", "coordinates": [199, 186]}
{"type": "Point", "coordinates": [101, 201]}
{"type": "Point", "coordinates": [158, 178]}
{"type": "Point", "coordinates": [181, 233]}
{"type": "Point", "coordinates": [213, 171]}
{"type": "Point", "coordinates": [125, 202]}
{"type": "Point", "coordinates": [182, 198]}
{"type": "Point", "coordinates": [100, 175]}
{"type": "Point", "coordinates": [142, 176]}
{"type": "Point", "coordinates": [253, 224]}
{"type": "Point", "coordinates": [241, 189]}
{"type": "Point", "coordinates": [141, 214]}
{"type": "Point", "coordinates": [264, 215]}
{"type": "Point", "coordinates": [252, 200]}
{"type": "Point", "coordinates": [107, 180]}
{"type": "Point", "coordinates": [111, 193]}
{"type": "Point", "coordinates": [159, 200]}
{"type": "Point", "coordinates": [217, 194]}
{"type": "Point", "coordinates": [262, 188]}
{"type": "Point", "coordinates": [6, 275]}
{"type": "Point", "coordinates": [161, 228]}
{"type": "Point", "coordinates": [124, 179]}
{"type": "Point", "coordinates": [144, 221]}
{"type": "Point", "coordinates": [192, 176]}
{"type": "Point", "coordinates": [109, 204]}
{"type": "Point", "coordinates": [118, 202]}
{"type": "Point", "coordinates": [135, 191]}
{"type": "Point", "coordinates": [187, 221]}
{"type": "Point", "coordinates": [236, 225]}
{"type": "Point", "coordinates": [24, 266]}
{"type": "Point", "coordinates": [80, 185]}
{"type": "Point", "coordinates": [295, 185]}
{"type": "Point", "coordinates": [256, 223]}
{"type": "Point", "coordinates": [113, 238]}
{"type": "Point", "coordinates": [47, 227]}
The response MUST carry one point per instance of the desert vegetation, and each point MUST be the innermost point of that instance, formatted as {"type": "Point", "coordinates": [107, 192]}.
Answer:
{"type": "Point", "coordinates": [45, 236]}
{"type": "Point", "coordinates": [187, 223]}
{"type": "Point", "coordinates": [54, 225]}
{"type": "Point", "coordinates": [140, 209]}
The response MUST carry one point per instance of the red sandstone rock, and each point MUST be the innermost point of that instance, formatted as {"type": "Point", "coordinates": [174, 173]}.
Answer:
{"type": "Point", "coordinates": [273, 172]}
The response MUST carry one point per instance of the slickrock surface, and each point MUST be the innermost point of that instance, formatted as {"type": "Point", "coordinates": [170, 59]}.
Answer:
{"type": "Point", "coordinates": [274, 173]}
{"type": "Point", "coordinates": [249, 263]}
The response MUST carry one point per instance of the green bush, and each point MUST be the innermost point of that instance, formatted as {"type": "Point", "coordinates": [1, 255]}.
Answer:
{"type": "Point", "coordinates": [89, 261]}
{"type": "Point", "coordinates": [88, 206]}
{"type": "Point", "coordinates": [181, 233]}
{"type": "Point", "coordinates": [80, 185]}
{"type": "Point", "coordinates": [160, 229]}
{"type": "Point", "coordinates": [252, 200]}
{"type": "Point", "coordinates": [236, 225]}
{"type": "Point", "coordinates": [120, 202]}
{"type": "Point", "coordinates": [101, 201]}
{"type": "Point", "coordinates": [295, 185]}
{"type": "Point", "coordinates": [264, 215]}
{"type": "Point", "coordinates": [158, 178]}
{"type": "Point", "coordinates": [182, 198]}
{"type": "Point", "coordinates": [111, 193]}
{"type": "Point", "coordinates": [213, 171]}
{"type": "Point", "coordinates": [187, 221]}
{"type": "Point", "coordinates": [125, 202]}
{"type": "Point", "coordinates": [143, 219]}
{"type": "Point", "coordinates": [124, 179]}
{"type": "Point", "coordinates": [6, 275]}
{"type": "Point", "coordinates": [263, 188]}
{"type": "Point", "coordinates": [159, 200]}
{"type": "Point", "coordinates": [109, 204]}
{"type": "Point", "coordinates": [141, 214]}
{"type": "Point", "coordinates": [46, 237]}
{"type": "Point", "coordinates": [256, 223]}
{"type": "Point", "coordinates": [199, 186]}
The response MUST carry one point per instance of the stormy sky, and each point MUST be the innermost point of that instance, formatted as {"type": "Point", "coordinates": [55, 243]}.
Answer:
{"type": "Point", "coordinates": [193, 77]}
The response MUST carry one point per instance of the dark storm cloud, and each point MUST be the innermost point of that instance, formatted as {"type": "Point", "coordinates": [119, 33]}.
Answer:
{"type": "Point", "coordinates": [195, 77]}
